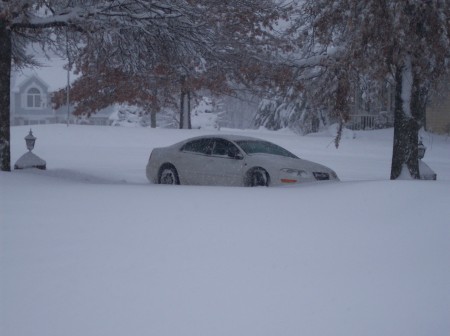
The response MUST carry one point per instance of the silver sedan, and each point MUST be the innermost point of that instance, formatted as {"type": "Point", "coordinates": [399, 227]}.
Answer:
{"type": "Point", "coordinates": [231, 160]}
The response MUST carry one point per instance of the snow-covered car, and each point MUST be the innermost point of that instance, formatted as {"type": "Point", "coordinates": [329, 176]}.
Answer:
{"type": "Point", "coordinates": [231, 160]}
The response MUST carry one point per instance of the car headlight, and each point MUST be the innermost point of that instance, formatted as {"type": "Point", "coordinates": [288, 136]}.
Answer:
{"type": "Point", "coordinates": [294, 172]}
{"type": "Point", "coordinates": [292, 175]}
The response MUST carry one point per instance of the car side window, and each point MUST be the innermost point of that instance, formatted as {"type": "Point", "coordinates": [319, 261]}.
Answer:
{"type": "Point", "coordinates": [200, 146]}
{"type": "Point", "coordinates": [223, 148]}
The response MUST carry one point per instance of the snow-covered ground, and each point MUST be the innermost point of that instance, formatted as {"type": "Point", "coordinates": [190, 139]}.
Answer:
{"type": "Point", "coordinates": [90, 248]}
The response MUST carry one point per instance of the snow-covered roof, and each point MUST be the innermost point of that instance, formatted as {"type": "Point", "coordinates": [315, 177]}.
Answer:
{"type": "Point", "coordinates": [32, 78]}
{"type": "Point", "coordinates": [52, 73]}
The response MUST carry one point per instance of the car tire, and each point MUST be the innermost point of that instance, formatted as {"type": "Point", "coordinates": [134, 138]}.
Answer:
{"type": "Point", "coordinates": [168, 175]}
{"type": "Point", "coordinates": [258, 177]}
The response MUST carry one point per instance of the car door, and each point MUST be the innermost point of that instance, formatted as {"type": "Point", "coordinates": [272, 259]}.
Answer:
{"type": "Point", "coordinates": [193, 161]}
{"type": "Point", "coordinates": [226, 169]}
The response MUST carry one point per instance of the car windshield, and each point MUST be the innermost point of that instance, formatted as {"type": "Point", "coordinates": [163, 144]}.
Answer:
{"type": "Point", "coordinates": [263, 147]}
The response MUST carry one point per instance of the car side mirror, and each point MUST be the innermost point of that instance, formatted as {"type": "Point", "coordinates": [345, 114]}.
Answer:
{"type": "Point", "coordinates": [235, 154]}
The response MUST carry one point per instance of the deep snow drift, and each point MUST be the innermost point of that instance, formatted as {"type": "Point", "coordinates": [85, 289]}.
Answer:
{"type": "Point", "coordinates": [90, 248]}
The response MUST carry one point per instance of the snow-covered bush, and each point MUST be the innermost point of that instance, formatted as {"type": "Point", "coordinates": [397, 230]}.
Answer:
{"type": "Point", "coordinates": [128, 116]}
{"type": "Point", "coordinates": [296, 115]}
{"type": "Point", "coordinates": [207, 113]}
{"type": "Point", "coordinates": [134, 116]}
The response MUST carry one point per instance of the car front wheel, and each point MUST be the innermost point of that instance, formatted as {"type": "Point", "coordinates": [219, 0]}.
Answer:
{"type": "Point", "coordinates": [168, 175]}
{"type": "Point", "coordinates": [258, 178]}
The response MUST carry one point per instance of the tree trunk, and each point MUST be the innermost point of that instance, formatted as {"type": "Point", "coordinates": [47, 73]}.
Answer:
{"type": "Point", "coordinates": [185, 111]}
{"type": "Point", "coordinates": [406, 130]}
{"type": "Point", "coordinates": [185, 106]}
{"type": "Point", "coordinates": [153, 118]}
{"type": "Point", "coordinates": [154, 108]}
{"type": "Point", "coordinates": [182, 94]}
{"type": "Point", "coordinates": [5, 91]}
{"type": "Point", "coordinates": [188, 119]}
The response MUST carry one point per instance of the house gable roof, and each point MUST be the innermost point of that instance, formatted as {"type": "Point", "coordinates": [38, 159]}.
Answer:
{"type": "Point", "coordinates": [33, 79]}
{"type": "Point", "coordinates": [51, 71]}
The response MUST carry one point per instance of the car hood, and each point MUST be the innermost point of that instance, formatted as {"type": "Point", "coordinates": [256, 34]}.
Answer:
{"type": "Point", "coordinates": [280, 162]}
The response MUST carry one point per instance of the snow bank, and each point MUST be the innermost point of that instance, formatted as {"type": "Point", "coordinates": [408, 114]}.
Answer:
{"type": "Point", "coordinates": [89, 248]}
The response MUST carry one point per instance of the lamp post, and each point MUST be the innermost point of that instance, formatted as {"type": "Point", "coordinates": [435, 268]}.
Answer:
{"type": "Point", "coordinates": [30, 160]}
{"type": "Point", "coordinates": [30, 140]}
{"type": "Point", "coordinates": [425, 172]}
{"type": "Point", "coordinates": [421, 149]}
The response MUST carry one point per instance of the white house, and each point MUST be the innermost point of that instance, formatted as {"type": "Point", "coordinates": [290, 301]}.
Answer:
{"type": "Point", "coordinates": [30, 102]}
{"type": "Point", "coordinates": [31, 99]}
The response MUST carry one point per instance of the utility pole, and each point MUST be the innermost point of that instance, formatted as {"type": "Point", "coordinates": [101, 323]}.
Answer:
{"type": "Point", "coordinates": [69, 67]}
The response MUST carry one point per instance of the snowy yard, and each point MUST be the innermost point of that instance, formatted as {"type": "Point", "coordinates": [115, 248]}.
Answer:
{"type": "Point", "coordinates": [90, 248]}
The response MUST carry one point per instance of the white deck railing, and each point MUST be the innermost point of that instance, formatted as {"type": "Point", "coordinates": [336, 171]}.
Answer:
{"type": "Point", "coordinates": [362, 122]}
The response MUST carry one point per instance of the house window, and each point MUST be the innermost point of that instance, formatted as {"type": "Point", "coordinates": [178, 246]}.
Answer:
{"type": "Point", "coordinates": [34, 98]}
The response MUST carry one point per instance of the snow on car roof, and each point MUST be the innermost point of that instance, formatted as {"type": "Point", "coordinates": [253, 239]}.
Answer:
{"type": "Point", "coordinates": [231, 137]}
